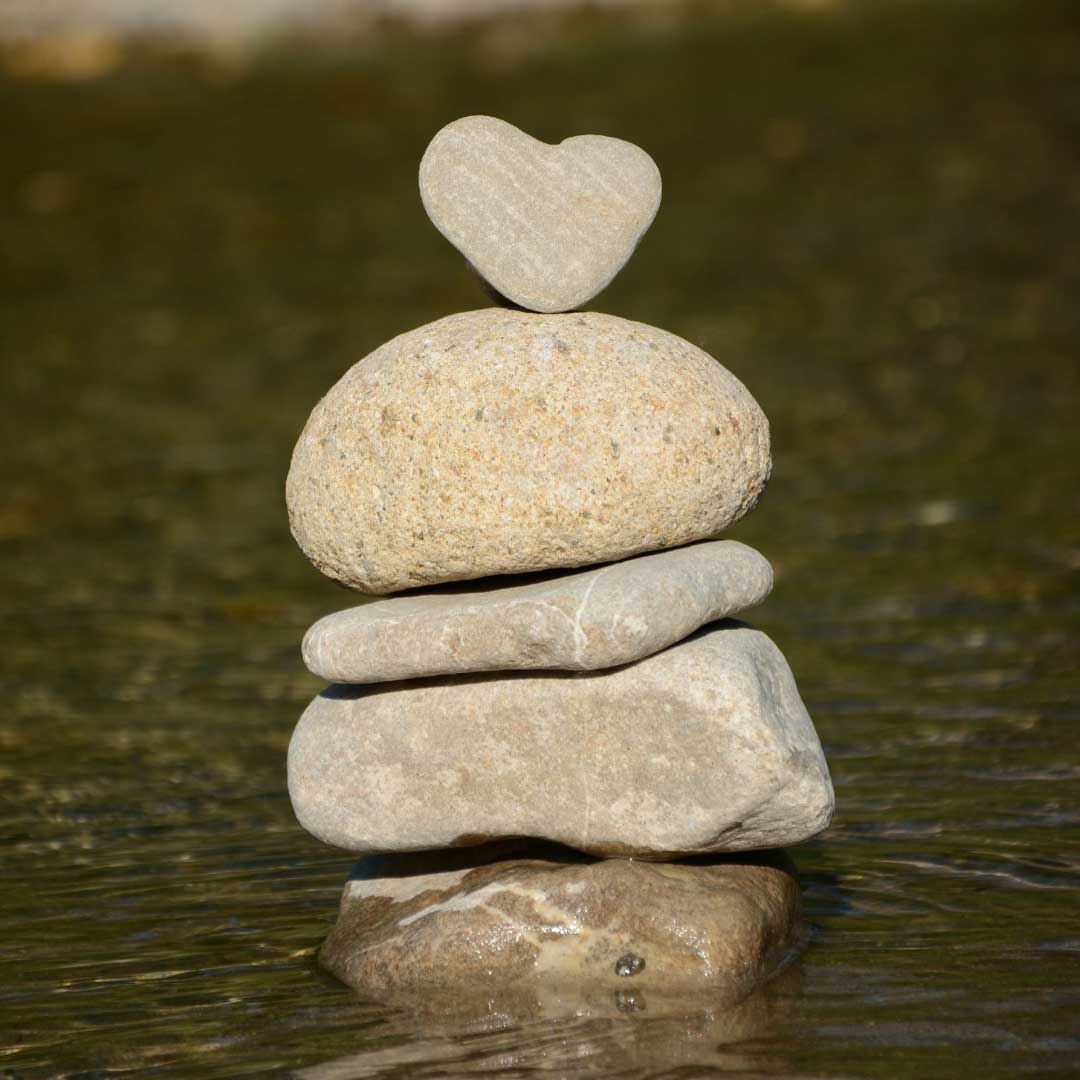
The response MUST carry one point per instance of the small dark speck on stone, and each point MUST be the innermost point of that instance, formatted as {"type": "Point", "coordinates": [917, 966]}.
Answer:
{"type": "Point", "coordinates": [716, 431]}
{"type": "Point", "coordinates": [628, 1001]}
{"type": "Point", "coordinates": [629, 964]}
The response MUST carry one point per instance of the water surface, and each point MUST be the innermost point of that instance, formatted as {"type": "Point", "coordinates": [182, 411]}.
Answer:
{"type": "Point", "coordinates": [870, 216]}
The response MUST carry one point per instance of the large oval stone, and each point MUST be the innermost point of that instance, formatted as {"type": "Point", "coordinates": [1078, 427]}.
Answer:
{"type": "Point", "coordinates": [496, 442]}
{"type": "Point", "coordinates": [429, 925]}
{"type": "Point", "coordinates": [704, 747]}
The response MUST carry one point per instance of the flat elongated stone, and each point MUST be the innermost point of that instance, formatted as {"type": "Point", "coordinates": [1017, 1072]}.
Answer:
{"type": "Point", "coordinates": [499, 442]}
{"type": "Point", "coordinates": [629, 927]}
{"type": "Point", "coordinates": [578, 621]}
{"type": "Point", "coordinates": [547, 227]}
{"type": "Point", "coordinates": [701, 748]}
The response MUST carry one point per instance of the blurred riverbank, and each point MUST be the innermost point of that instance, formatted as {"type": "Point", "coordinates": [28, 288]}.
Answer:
{"type": "Point", "coordinates": [78, 40]}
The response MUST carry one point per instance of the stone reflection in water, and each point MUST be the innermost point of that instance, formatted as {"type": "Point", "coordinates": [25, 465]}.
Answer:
{"type": "Point", "coordinates": [586, 1032]}
{"type": "Point", "coordinates": [494, 919]}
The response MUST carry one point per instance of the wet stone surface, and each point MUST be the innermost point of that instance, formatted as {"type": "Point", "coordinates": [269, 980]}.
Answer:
{"type": "Point", "coordinates": [434, 922]}
{"type": "Point", "coordinates": [629, 964]}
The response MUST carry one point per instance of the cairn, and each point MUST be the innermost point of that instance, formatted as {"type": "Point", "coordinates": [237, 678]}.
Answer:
{"type": "Point", "coordinates": [561, 762]}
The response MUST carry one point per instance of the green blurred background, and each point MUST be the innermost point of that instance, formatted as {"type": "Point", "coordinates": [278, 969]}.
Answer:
{"type": "Point", "coordinates": [871, 215]}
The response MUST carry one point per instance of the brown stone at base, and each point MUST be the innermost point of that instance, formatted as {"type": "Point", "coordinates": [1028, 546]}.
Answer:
{"type": "Point", "coordinates": [436, 922]}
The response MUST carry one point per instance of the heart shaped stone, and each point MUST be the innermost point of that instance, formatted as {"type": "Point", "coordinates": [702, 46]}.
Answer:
{"type": "Point", "coordinates": [548, 227]}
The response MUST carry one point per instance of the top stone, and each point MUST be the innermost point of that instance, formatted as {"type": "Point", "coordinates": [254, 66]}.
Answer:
{"type": "Point", "coordinates": [548, 227]}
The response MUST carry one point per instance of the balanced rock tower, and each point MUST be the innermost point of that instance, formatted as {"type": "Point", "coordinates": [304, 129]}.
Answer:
{"type": "Point", "coordinates": [561, 762]}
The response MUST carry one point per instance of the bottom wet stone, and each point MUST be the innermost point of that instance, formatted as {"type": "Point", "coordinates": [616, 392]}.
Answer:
{"type": "Point", "coordinates": [443, 921]}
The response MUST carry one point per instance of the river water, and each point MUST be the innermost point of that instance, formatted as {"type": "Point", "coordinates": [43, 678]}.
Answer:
{"type": "Point", "coordinates": [870, 216]}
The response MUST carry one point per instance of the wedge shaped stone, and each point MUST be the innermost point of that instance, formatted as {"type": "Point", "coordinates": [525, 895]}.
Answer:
{"type": "Point", "coordinates": [547, 227]}
{"type": "Point", "coordinates": [704, 747]}
{"type": "Point", "coordinates": [409, 927]}
{"type": "Point", "coordinates": [499, 442]}
{"type": "Point", "coordinates": [577, 621]}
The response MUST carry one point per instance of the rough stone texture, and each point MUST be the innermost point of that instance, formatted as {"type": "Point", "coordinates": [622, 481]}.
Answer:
{"type": "Point", "coordinates": [577, 621]}
{"type": "Point", "coordinates": [703, 747]}
{"type": "Point", "coordinates": [425, 925]}
{"type": "Point", "coordinates": [547, 227]}
{"type": "Point", "coordinates": [498, 442]}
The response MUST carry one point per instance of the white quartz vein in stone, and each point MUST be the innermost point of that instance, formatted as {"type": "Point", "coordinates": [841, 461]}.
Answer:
{"type": "Point", "coordinates": [558, 921]}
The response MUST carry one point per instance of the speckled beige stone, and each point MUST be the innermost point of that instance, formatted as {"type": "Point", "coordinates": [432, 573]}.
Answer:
{"type": "Point", "coordinates": [575, 620]}
{"type": "Point", "coordinates": [704, 747]}
{"type": "Point", "coordinates": [498, 442]}
{"type": "Point", "coordinates": [408, 927]}
{"type": "Point", "coordinates": [547, 227]}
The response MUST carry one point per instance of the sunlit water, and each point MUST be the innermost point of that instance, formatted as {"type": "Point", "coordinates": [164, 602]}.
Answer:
{"type": "Point", "coordinates": [869, 217]}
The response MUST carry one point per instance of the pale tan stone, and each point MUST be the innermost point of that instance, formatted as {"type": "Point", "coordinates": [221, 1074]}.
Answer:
{"type": "Point", "coordinates": [704, 747]}
{"type": "Point", "coordinates": [498, 442]}
{"type": "Point", "coordinates": [435, 924]}
{"type": "Point", "coordinates": [576, 620]}
{"type": "Point", "coordinates": [546, 226]}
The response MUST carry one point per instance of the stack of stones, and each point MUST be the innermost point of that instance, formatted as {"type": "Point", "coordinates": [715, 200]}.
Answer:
{"type": "Point", "coordinates": [548, 772]}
